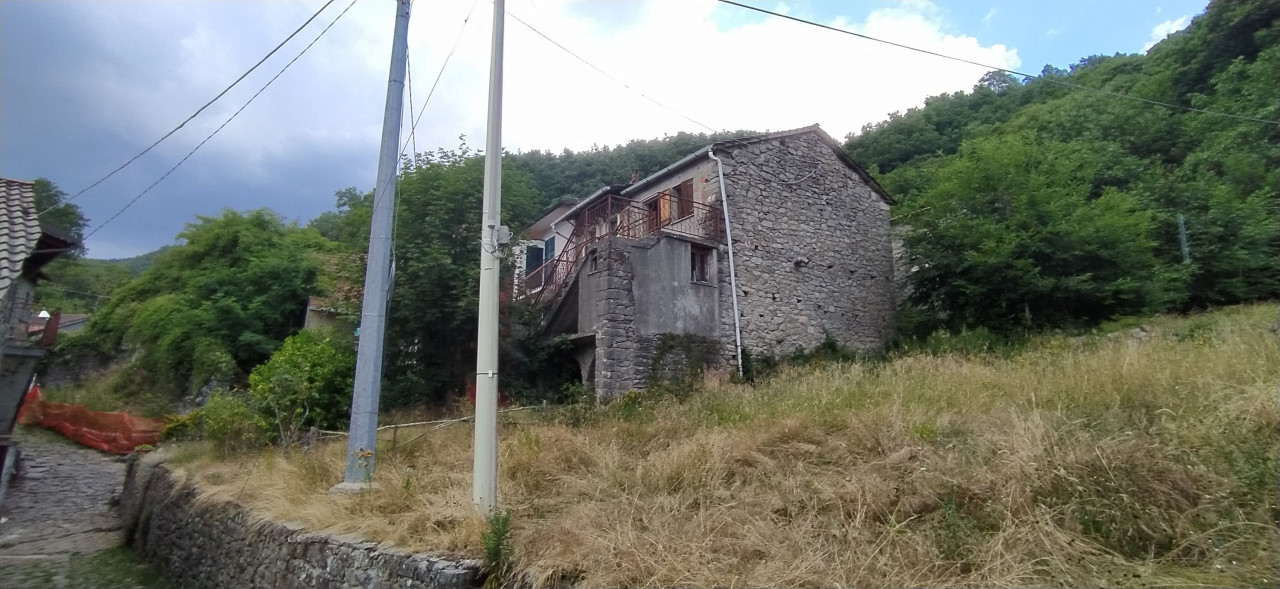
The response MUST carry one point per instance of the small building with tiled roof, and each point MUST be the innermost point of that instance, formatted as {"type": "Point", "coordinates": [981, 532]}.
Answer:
{"type": "Point", "coordinates": [25, 248]}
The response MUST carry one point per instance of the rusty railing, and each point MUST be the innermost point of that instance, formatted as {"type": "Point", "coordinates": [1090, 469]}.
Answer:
{"type": "Point", "coordinates": [615, 216]}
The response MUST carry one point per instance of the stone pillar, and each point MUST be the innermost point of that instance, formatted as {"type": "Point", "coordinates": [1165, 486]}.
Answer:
{"type": "Point", "coordinates": [615, 331]}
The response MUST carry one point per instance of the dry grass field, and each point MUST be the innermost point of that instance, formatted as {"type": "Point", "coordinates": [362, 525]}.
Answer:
{"type": "Point", "coordinates": [1113, 461]}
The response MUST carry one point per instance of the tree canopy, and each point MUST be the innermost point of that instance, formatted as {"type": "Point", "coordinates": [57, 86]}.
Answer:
{"type": "Point", "coordinates": [216, 305]}
{"type": "Point", "coordinates": [1033, 203]}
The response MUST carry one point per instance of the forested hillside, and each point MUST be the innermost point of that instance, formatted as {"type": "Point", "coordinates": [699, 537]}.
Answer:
{"type": "Point", "coordinates": [1034, 202]}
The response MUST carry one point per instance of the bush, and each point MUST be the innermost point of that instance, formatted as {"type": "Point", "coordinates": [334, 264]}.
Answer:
{"type": "Point", "coordinates": [182, 427]}
{"type": "Point", "coordinates": [229, 422]}
{"type": "Point", "coordinates": [306, 383]}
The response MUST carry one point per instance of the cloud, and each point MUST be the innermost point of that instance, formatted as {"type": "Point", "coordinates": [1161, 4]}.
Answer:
{"type": "Point", "coordinates": [986, 20]}
{"type": "Point", "coordinates": [82, 95]}
{"type": "Point", "coordinates": [1165, 29]}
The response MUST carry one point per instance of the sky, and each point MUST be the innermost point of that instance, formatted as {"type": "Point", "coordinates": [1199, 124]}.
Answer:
{"type": "Point", "coordinates": [86, 85]}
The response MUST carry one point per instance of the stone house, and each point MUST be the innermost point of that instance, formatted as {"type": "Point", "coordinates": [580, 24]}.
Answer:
{"type": "Point", "coordinates": [748, 247]}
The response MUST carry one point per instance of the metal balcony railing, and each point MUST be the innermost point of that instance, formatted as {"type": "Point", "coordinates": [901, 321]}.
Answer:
{"type": "Point", "coordinates": [615, 216]}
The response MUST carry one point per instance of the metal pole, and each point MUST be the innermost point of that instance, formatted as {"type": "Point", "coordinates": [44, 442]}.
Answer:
{"type": "Point", "coordinates": [362, 441]}
{"type": "Point", "coordinates": [485, 472]}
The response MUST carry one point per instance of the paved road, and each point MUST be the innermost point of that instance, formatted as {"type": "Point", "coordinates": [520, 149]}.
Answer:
{"type": "Point", "coordinates": [58, 527]}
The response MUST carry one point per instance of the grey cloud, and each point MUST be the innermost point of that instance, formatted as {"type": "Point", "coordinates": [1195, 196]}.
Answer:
{"type": "Point", "coordinates": [84, 86]}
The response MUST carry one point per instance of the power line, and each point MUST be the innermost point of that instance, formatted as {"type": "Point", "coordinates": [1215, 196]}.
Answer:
{"type": "Point", "coordinates": [607, 75]}
{"type": "Point", "coordinates": [224, 123]}
{"type": "Point", "coordinates": [193, 115]}
{"type": "Point", "coordinates": [395, 218]}
{"type": "Point", "coordinates": [432, 92]}
{"type": "Point", "coordinates": [79, 292]}
{"type": "Point", "coordinates": [1000, 69]}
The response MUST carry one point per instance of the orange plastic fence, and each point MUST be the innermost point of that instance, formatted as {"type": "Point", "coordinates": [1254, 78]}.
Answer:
{"type": "Point", "coordinates": [118, 433]}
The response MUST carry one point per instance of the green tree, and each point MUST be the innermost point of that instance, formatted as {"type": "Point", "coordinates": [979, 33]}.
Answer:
{"type": "Point", "coordinates": [59, 215]}
{"type": "Point", "coordinates": [431, 327]}
{"type": "Point", "coordinates": [78, 285]}
{"type": "Point", "coordinates": [349, 224]}
{"type": "Point", "coordinates": [1144, 162]}
{"type": "Point", "coordinates": [234, 290]}
{"type": "Point", "coordinates": [1012, 234]}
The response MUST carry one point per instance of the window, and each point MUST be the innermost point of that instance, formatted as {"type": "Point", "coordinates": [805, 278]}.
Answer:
{"type": "Point", "coordinates": [683, 196]}
{"type": "Point", "coordinates": [699, 260]}
{"type": "Point", "coordinates": [533, 273]}
{"type": "Point", "coordinates": [549, 248]}
{"type": "Point", "coordinates": [593, 261]}
{"type": "Point", "coordinates": [532, 258]}
{"type": "Point", "coordinates": [653, 213]}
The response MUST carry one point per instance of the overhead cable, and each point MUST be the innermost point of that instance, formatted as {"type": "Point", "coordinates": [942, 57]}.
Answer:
{"type": "Point", "coordinates": [607, 75]}
{"type": "Point", "coordinates": [999, 69]}
{"type": "Point", "coordinates": [440, 73]}
{"type": "Point", "coordinates": [224, 123]}
{"type": "Point", "coordinates": [193, 115]}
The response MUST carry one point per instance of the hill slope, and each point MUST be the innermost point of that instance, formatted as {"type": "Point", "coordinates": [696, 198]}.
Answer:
{"type": "Point", "coordinates": [1145, 458]}
{"type": "Point", "coordinates": [1033, 203]}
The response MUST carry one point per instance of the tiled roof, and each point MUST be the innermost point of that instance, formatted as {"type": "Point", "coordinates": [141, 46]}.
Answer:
{"type": "Point", "coordinates": [19, 229]}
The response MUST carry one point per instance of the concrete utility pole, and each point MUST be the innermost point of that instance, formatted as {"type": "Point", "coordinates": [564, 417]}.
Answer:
{"type": "Point", "coordinates": [362, 440]}
{"type": "Point", "coordinates": [484, 490]}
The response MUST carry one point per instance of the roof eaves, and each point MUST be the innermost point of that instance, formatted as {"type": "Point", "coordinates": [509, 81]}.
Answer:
{"type": "Point", "coordinates": [614, 189]}
{"type": "Point", "coordinates": [825, 138]}
{"type": "Point", "coordinates": [671, 169]}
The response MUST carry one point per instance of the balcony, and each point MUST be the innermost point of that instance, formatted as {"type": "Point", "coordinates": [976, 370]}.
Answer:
{"type": "Point", "coordinates": [615, 216]}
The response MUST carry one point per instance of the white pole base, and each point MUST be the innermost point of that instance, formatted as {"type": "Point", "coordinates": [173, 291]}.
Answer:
{"type": "Point", "coordinates": [352, 488]}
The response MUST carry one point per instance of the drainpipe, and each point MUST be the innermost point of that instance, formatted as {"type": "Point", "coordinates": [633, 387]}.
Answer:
{"type": "Point", "coordinates": [733, 273]}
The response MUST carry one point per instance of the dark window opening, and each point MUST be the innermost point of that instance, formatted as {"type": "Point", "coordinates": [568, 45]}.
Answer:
{"type": "Point", "coordinates": [653, 215]}
{"type": "Point", "coordinates": [699, 261]}
{"type": "Point", "coordinates": [549, 248]}
{"type": "Point", "coordinates": [533, 258]}
{"type": "Point", "coordinates": [593, 262]}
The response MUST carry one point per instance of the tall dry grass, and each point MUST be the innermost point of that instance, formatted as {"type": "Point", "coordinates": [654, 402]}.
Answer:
{"type": "Point", "coordinates": [1107, 461]}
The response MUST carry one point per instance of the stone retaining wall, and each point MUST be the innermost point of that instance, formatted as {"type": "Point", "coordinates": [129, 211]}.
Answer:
{"type": "Point", "coordinates": [219, 544]}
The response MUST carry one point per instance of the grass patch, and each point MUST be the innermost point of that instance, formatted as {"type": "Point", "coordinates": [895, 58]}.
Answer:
{"type": "Point", "coordinates": [113, 390]}
{"type": "Point", "coordinates": [117, 568]}
{"type": "Point", "coordinates": [1112, 461]}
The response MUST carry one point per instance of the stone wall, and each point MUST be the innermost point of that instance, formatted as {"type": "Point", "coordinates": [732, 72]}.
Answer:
{"type": "Point", "coordinates": [70, 370]}
{"type": "Point", "coordinates": [812, 248]}
{"type": "Point", "coordinates": [678, 357]}
{"type": "Point", "coordinates": [617, 367]}
{"type": "Point", "coordinates": [215, 544]}
{"type": "Point", "coordinates": [640, 296]}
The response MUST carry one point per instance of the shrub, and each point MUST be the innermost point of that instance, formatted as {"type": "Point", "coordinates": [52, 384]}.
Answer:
{"type": "Point", "coordinates": [497, 550]}
{"type": "Point", "coordinates": [228, 421]}
{"type": "Point", "coordinates": [182, 427]}
{"type": "Point", "coordinates": [306, 383]}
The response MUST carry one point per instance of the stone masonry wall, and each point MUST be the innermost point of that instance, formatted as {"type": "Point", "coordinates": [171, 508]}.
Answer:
{"type": "Point", "coordinates": [812, 248]}
{"type": "Point", "coordinates": [212, 544]}
{"type": "Point", "coordinates": [617, 367]}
